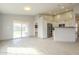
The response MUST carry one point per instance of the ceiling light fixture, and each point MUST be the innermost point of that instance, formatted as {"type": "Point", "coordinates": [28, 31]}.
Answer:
{"type": "Point", "coordinates": [27, 8]}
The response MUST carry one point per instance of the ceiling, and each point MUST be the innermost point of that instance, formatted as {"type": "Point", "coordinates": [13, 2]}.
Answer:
{"type": "Point", "coordinates": [37, 8]}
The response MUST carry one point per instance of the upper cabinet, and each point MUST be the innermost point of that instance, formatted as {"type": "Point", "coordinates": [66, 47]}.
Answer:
{"type": "Point", "coordinates": [63, 17]}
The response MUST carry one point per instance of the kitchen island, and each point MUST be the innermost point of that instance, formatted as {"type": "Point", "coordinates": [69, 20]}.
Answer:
{"type": "Point", "coordinates": [66, 34]}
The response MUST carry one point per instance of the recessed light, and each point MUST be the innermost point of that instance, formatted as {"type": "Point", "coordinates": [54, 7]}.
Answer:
{"type": "Point", "coordinates": [58, 16]}
{"type": "Point", "coordinates": [67, 9]}
{"type": "Point", "coordinates": [62, 7]}
{"type": "Point", "coordinates": [27, 8]}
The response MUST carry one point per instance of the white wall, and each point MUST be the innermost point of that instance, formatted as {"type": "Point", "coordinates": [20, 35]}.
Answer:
{"type": "Point", "coordinates": [7, 24]}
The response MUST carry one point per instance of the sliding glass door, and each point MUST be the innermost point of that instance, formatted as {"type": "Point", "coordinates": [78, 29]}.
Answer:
{"type": "Point", "coordinates": [16, 30]}
{"type": "Point", "coordinates": [24, 30]}
{"type": "Point", "coordinates": [20, 30]}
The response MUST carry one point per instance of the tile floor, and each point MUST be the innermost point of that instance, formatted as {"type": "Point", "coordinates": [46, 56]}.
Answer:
{"type": "Point", "coordinates": [36, 46]}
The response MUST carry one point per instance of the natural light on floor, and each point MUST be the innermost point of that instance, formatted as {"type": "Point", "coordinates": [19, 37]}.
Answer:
{"type": "Point", "coordinates": [21, 50]}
